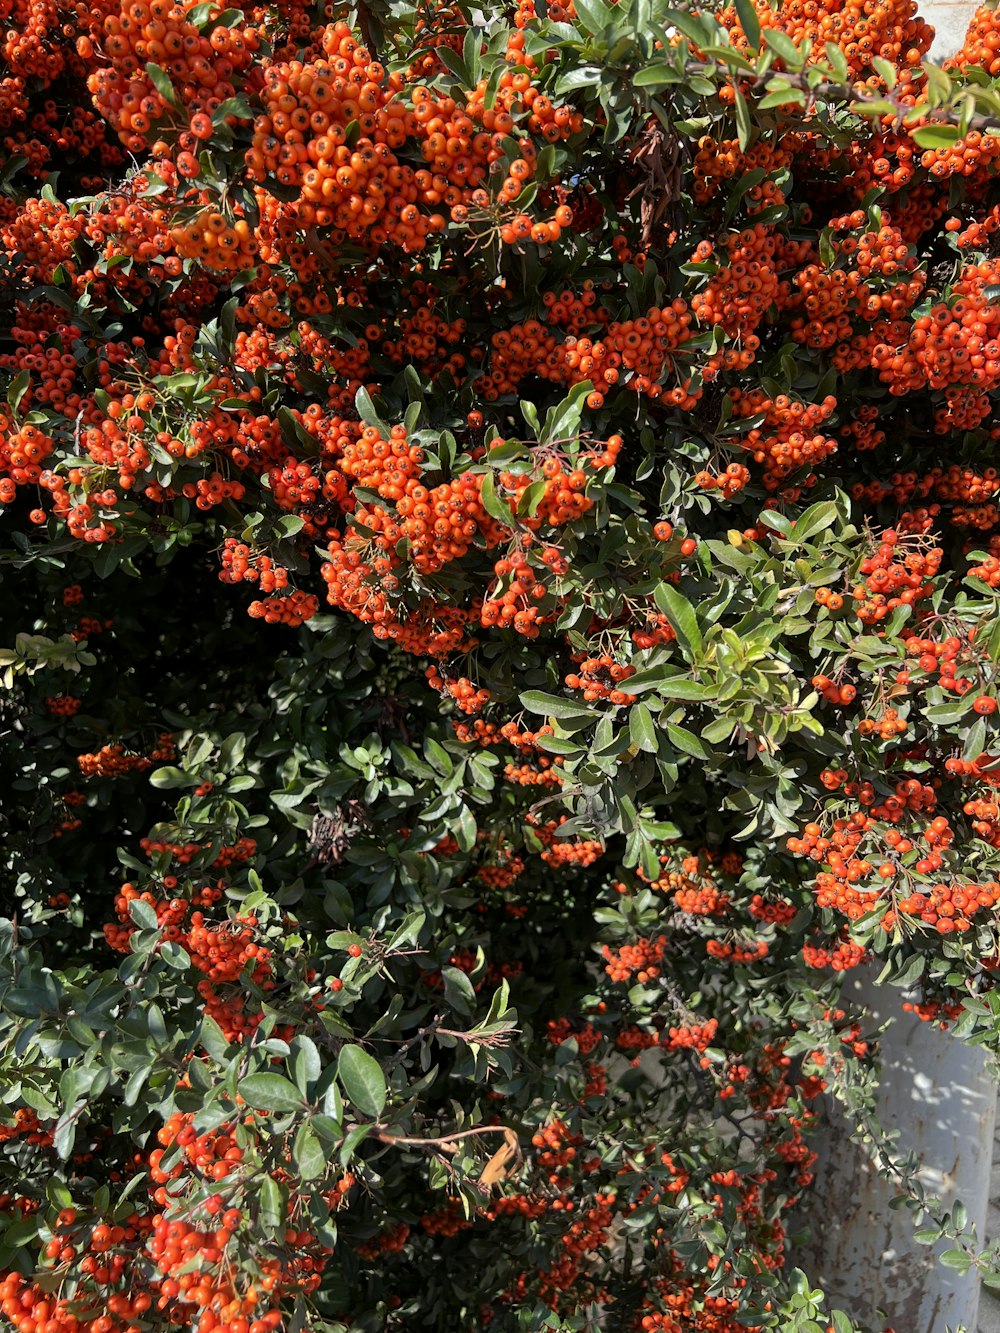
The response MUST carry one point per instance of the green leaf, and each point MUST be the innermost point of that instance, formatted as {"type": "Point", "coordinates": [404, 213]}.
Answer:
{"type": "Point", "coordinates": [687, 741]}
{"type": "Point", "coordinates": [363, 1081]}
{"type": "Point", "coordinates": [170, 776]}
{"type": "Point", "coordinates": [683, 618]}
{"type": "Point", "coordinates": [782, 96]}
{"type": "Point", "coordinates": [308, 1153]}
{"type": "Point", "coordinates": [162, 82]}
{"type": "Point", "coordinates": [744, 129]}
{"type": "Point", "coordinates": [550, 705]}
{"type": "Point", "coordinates": [817, 518]}
{"type": "Point", "coordinates": [950, 711]}
{"type": "Point", "coordinates": [655, 76]}
{"type": "Point", "coordinates": [271, 1203]}
{"type": "Point", "coordinates": [683, 687]}
{"type": "Point", "coordinates": [784, 47]}
{"type": "Point", "coordinates": [593, 16]}
{"type": "Point", "coordinates": [749, 22]}
{"type": "Point", "coordinates": [213, 1039]}
{"type": "Point", "coordinates": [174, 956]}
{"type": "Point", "coordinates": [465, 829]}
{"type": "Point", "coordinates": [64, 1134]}
{"type": "Point", "coordinates": [366, 411]}
{"type": "Point", "coordinates": [885, 70]}
{"type": "Point", "coordinates": [305, 1063]}
{"type": "Point", "coordinates": [494, 506]}
{"type": "Point", "coordinates": [957, 1259]}
{"type": "Point", "coordinates": [17, 389]}
{"type": "Point", "coordinates": [562, 422]}
{"type": "Point", "coordinates": [459, 991]}
{"type": "Point", "coordinates": [530, 498]}
{"type": "Point", "coordinates": [640, 728]}
{"type": "Point", "coordinates": [838, 61]}
{"type": "Point", "coordinates": [143, 914]}
{"type": "Point", "coordinates": [271, 1092]}
{"type": "Point", "coordinates": [935, 136]}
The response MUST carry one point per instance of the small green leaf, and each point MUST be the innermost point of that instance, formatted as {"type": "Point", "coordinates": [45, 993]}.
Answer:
{"type": "Point", "coordinates": [957, 1259]}
{"type": "Point", "coordinates": [172, 777]}
{"type": "Point", "coordinates": [366, 411]}
{"type": "Point", "coordinates": [308, 1153]}
{"type": "Point", "coordinates": [162, 82]}
{"type": "Point", "coordinates": [935, 136]}
{"type": "Point", "coordinates": [744, 129]}
{"type": "Point", "coordinates": [363, 1081]}
{"type": "Point", "coordinates": [271, 1204]}
{"type": "Point", "coordinates": [749, 22]}
{"type": "Point", "coordinates": [174, 956]}
{"type": "Point", "coordinates": [784, 47]}
{"type": "Point", "coordinates": [687, 741]}
{"type": "Point", "coordinates": [271, 1092]}
{"type": "Point", "coordinates": [494, 506]}
{"type": "Point", "coordinates": [17, 389]}
{"type": "Point", "coordinates": [143, 914]}
{"type": "Point", "coordinates": [683, 619]}
{"type": "Point", "coordinates": [550, 705]}
{"type": "Point", "coordinates": [655, 76]}
{"type": "Point", "coordinates": [640, 728]}
{"type": "Point", "coordinates": [213, 1039]}
{"type": "Point", "coordinates": [64, 1134]}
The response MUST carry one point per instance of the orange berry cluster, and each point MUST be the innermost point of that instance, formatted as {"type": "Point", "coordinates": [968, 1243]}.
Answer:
{"type": "Point", "coordinates": [888, 725]}
{"type": "Point", "coordinates": [690, 1037]}
{"type": "Point", "coordinates": [702, 898]}
{"type": "Point", "coordinates": [561, 852]}
{"type": "Point", "coordinates": [862, 30]}
{"type": "Point", "coordinates": [640, 960]}
{"type": "Point", "coordinates": [25, 1125]}
{"type": "Point", "coordinates": [737, 297]}
{"type": "Point", "coordinates": [844, 955]}
{"type": "Point", "coordinates": [216, 242]}
{"type": "Point", "coordinates": [542, 773]}
{"type": "Point", "coordinates": [63, 705]}
{"type": "Point", "coordinates": [981, 46]}
{"type": "Point", "coordinates": [236, 853]}
{"type": "Point", "coordinates": [467, 697]}
{"type": "Point", "coordinates": [779, 913]}
{"type": "Point", "coordinates": [729, 483]}
{"type": "Point", "coordinates": [787, 440]}
{"type": "Point", "coordinates": [221, 951]}
{"type": "Point", "coordinates": [900, 572]}
{"type": "Point", "coordinates": [641, 348]}
{"type": "Point", "coordinates": [946, 656]}
{"type": "Point", "coordinates": [295, 608]}
{"type": "Point", "coordinates": [954, 348]}
{"type": "Point", "coordinates": [832, 692]}
{"type": "Point", "coordinates": [111, 761]}
{"type": "Point", "coordinates": [600, 678]}
{"type": "Point", "coordinates": [736, 951]}
{"type": "Point", "coordinates": [950, 907]}
{"type": "Point", "coordinates": [135, 33]}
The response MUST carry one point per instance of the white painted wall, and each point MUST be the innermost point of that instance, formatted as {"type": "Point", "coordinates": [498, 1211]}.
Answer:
{"type": "Point", "coordinates": [949, 18]}
{"type": "Point", "coordinates": [940, 1094]}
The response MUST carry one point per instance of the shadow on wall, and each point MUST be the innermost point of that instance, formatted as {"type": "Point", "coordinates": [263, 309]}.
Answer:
{"type": "Point", "coordinates": [949, 19]}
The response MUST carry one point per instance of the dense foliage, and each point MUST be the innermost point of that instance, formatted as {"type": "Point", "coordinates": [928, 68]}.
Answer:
{"type": "Point", "coordinates": [500, 574]}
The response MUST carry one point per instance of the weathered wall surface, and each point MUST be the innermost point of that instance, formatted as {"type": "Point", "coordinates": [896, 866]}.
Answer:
{"type": "Point", "coordinates": [940, 1095]}
{"type": "Point", "coordinates": [950, 18]}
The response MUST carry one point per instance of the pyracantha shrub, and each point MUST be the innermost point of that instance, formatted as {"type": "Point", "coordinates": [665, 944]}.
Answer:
{"type": "Point", "coordinates": [595, 402]}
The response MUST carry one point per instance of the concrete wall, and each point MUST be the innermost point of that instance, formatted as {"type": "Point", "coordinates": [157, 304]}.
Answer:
{"type": "Point", "coordinates": [940, 1095]}
{"type": "Point", "coordinates": [949, 18]}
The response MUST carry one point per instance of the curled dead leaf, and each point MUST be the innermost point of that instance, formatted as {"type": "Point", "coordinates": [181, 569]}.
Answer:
{"type": "Point", "coordinates": [500, 1164]}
